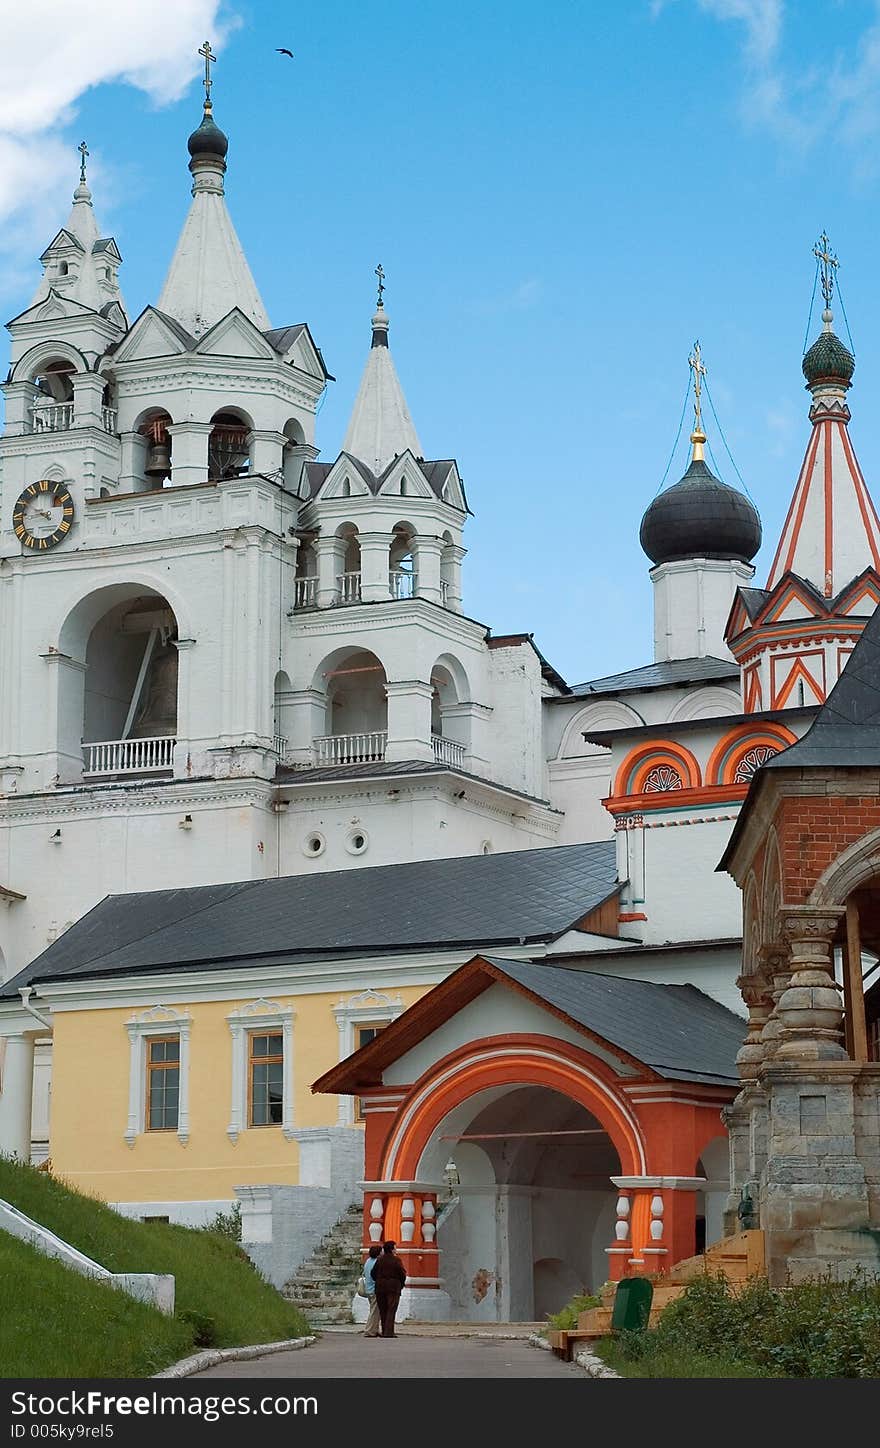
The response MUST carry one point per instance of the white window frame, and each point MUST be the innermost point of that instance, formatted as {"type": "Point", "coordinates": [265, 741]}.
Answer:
{"type": "Point", "coordinates": [258, 1017]}
{"type": "Point", "coordinates": [368, 1007]}
{"type": "Point", "coordinates": [157, 1021]}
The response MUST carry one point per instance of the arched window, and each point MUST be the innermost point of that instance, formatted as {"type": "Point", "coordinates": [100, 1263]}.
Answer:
{"type": "Point", "coordinates": [229, 446]}
{"type": "Point", "coordinates": [739, 755]}
{"type": "Point", "coordinates": [153, 427]}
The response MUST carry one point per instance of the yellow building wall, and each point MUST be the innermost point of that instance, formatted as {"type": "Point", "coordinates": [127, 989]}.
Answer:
{"type": "Point", "coordinates": [90, 1091]}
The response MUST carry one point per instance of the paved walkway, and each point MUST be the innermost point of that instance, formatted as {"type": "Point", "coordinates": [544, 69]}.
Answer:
{"type": "Point", "coordinates": [412, 1354]}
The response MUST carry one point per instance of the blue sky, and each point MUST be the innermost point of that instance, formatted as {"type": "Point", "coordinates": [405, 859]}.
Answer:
{"type": "Point", "coordinates": [562, 202]}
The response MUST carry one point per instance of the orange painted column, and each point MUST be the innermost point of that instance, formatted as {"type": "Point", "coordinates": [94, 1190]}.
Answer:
{"type": "Point", "coordinates": [620, 1250]}
{"type": "Point", "coordinates": [405, 1213]}
{"type": "Point", "coordinates": [662, 1219]}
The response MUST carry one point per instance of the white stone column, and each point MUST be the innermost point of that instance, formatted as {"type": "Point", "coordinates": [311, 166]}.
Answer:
{"type": "Point", "coordinates": [375, 567]}
{"type": "Point", "coordinates": [88, 393]}
{"type": "Point", "coordinates": [133, 455]}
{"type": "Point", "coordinates": [19, 396]}
{"type": "Point", "coordinates": [189, 453]}
{"type": "Point", "coordinates": [409, 720]}
{"type": "Point", "coordinates": [16, 1096]}
{"type": "Point", "coordinates": [330, 553]}
{"type": "Point", "coordinates": [305, 719]}
{"type": "Point", "coordinates": [266, 448]}
{"type": "Point", "coordinates": [428, 553]}
{"type": "Point", "coordinates": [453, 556]}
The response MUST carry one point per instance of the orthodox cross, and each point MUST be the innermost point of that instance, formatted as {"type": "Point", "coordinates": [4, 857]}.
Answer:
{"type": "Point", "coordinates": [210, 57]}
{"type": "Point", "coordinates": [828, 263]}
{"type": "Point", "coordinates": [380, 273]}
{"type": "Point", "coordinates": [83, 151]}
{"type": "Point", "coordinates": [695, 362]}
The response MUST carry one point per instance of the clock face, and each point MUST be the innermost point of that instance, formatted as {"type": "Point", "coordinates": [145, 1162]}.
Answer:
{"type": "Point", "coordinates": [43, 515]}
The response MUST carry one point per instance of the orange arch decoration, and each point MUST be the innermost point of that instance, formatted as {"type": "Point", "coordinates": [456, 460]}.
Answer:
{"type": "Point", "coordinates": [515, 1060]}
{"type": "Point", "coordinates": [644, 769]}
{"type": "Point", "coordinates": [736, 757]}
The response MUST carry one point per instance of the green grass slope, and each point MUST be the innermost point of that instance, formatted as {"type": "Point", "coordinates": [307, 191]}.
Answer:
{"type": "Point", "coordinates": [221, 1301]}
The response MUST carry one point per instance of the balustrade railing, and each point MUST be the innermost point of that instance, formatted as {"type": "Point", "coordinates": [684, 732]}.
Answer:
{"type": "Point", "coordinates": [365, 748]}
{"type": "Point", "coordinates": [279, 744]}
{"type": "Point", "coordinates": [448, 751]}
{"type": "Point", "coordinates": [108, 418]}
{"type": "Point", "coordinates": [129, 756]}
{"type": "Point", "coordinates": [349, 585]}
{"type": "Point", "coordinates": [402, 583]}
{"type": "Point", "coordinates": [51, 416]}
{"type": "Point", "coordinates": [305, 593]}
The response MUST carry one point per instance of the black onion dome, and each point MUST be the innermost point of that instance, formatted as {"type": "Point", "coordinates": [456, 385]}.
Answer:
{"type": "Point", "coordinates": [700, 517]}
{"type": "Point", "coordinates": [208, 140]}
{"type": "Point", "coordinates": [829, 360]}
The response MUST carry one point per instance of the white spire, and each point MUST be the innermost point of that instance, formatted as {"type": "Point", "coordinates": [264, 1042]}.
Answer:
{"type": "Point", "coordinates": [78, 263]}
{"type": "Point", "coordinates": [380, 426]}
{"type": "Point", "coordinates": [209, 274]}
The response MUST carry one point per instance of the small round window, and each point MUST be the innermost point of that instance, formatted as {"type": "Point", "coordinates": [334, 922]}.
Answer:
{"type": "Point", "coordinates": [357, 842]}
{"type": "Point", "coordinates": [314, 845]}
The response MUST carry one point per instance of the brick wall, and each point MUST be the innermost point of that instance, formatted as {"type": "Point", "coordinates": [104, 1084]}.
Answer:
{"type": "Point", "coordinates": [814, 831]}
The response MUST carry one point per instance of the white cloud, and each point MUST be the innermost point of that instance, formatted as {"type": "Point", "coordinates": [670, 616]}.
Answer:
{"type": "Point", "coordinates": [801, 102]}
{"type": "Point", "coordinates": [50, 55]}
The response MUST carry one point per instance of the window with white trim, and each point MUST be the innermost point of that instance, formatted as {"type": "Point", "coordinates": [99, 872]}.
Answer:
{"type": "Point", "coordinates": [158, 1079]}
{"type": "Point", "coordinates": [262, 1067]}
{"type": "Point", "coordinates": [369, 1011]}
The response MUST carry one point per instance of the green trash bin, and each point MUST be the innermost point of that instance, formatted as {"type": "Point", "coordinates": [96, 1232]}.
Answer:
{"type": "Point", "coordinates": [632, 1305]}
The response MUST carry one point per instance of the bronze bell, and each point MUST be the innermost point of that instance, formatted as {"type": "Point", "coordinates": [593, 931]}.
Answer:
{"type": "Point", "coordinates": [158, 460]}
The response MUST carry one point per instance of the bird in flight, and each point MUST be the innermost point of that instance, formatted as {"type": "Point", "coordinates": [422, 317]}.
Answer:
{"type": "Point", "coordinates": [282, 51]}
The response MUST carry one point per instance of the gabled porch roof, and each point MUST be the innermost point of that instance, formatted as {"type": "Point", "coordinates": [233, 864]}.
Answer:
{"type": "Point", "coordinates": [672, 1032]}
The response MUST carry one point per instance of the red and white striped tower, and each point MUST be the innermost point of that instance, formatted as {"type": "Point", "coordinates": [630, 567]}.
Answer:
{"type": "Point", "coordinates": [793, 637]}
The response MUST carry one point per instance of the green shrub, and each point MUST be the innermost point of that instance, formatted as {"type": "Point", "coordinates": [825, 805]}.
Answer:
{"type": "Point", "coordinates": [816, 1329]}
{"type": "Point", "coordinates": [567, 1318]}
{"type": "Point", "coordinates": [228, 1224]}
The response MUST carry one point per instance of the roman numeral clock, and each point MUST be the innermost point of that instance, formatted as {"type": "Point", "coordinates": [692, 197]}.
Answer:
{"type": "Point", "coordinates": [43, 515]}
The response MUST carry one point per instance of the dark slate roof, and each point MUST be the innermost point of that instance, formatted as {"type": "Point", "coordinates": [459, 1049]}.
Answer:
{"type": "Point", "coordinates": [283, 338]}
{"type": "Point", "coordinates": [675, 1029]}
{"type": "Point", "coordinates": [473, 901]}
{"type": "Point", "coordinates": [674, 673]}
{"type": "Point", "coordinates": [846, 730]}
{"type": "Point", "coordinates": [435, 473]}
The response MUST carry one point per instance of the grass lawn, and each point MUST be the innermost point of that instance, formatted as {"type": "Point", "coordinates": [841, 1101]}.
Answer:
{"type": "Point", "coordinates": [672, 1363]}
{"type": "Point", "coordinates": [221, 1301]}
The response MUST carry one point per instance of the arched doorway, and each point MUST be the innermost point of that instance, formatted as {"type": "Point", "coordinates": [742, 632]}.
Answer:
{"type": "Point", "coordinates": [534, 1210]}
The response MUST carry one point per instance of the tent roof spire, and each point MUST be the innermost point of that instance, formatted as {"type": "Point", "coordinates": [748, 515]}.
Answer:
{"type": "Point", "coordinates": [380, 426]}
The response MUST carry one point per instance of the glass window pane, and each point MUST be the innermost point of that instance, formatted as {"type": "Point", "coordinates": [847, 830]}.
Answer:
{"type": "Point", "coordinates": [258, 1045]}
{"type": "Point", "coordinates": [275, 1044]}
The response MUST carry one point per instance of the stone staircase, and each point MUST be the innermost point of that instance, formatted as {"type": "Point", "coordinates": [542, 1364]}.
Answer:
{"type": "Point", "coordinates": [738, 1257]}
{"type": "Point", "coordinates": [323, 1285]}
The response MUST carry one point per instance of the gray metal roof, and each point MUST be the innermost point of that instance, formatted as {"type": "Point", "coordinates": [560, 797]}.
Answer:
{"type": "Point", "coordinates": [671, 674]}
{"type": "Point", "coordinates": [474, 901]}
{"type": "Point", "coordinates": [338, 773]}
{"type": "Point", "coordinates": [846, 730]}
{"type": "Point", "coordinates": [675, 1029]}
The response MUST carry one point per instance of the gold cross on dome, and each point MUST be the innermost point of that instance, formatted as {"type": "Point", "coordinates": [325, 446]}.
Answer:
{"type": "Point", "coordinates": [380, 273]}
{"type": "Point", "coordinates": [828, 263]}
{"type": "Point", "coordinates": [695, 362]}
{"type": "Point", "coordinates": [83, 151]}
{"type": "Point", "coordinates": [210, 58]}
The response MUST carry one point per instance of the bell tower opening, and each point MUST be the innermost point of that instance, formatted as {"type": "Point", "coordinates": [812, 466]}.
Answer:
{"type": "Point", "coordinates": [130, 689]}
{"type": "Point", "coordinates": [229, 446]}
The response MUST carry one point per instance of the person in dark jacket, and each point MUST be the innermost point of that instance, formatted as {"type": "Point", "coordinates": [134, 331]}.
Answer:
{"type": "Point", "coordinates": [389, 1275]}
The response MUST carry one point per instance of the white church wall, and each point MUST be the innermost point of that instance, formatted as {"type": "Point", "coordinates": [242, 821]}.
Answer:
{"type": "Point", "coordinates": [517, 744]}
{"type": "Point", "coordinates": [577, 788]}
{"type": "Point", "coordinates": [109, 846]}
{"type": "Point", "coordinates": [685, 899]}
{"type": "Point", "coordinates": [386, 822]}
